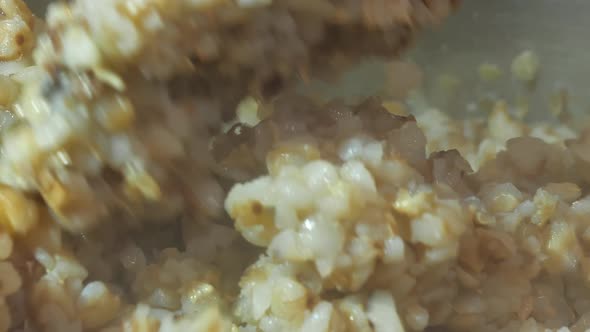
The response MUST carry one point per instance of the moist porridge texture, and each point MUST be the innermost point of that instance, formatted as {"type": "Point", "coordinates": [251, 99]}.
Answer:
{"type": "Point", "coordinates": [111, 117]}
{"type": "Point", "coordinates": [128, 204]}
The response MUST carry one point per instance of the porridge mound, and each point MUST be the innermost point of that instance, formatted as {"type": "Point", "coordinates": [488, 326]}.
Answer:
{"type": "Point", "coordinates": [159, 173]}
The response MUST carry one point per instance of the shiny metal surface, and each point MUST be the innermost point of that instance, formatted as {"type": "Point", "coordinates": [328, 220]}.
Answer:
{"type": "Point", "coordinates": [496, 31]}
{"type": "Point", "coordinates": [38, 6]}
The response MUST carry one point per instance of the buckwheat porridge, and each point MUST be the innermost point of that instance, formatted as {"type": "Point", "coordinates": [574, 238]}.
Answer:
{"type": "Point", "coordinates": [159, 172]}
